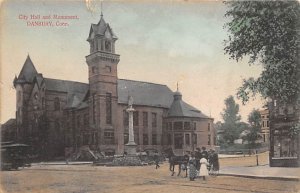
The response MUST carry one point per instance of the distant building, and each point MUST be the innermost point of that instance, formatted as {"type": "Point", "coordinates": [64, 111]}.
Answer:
{"type": "Point", "coordinates": [55, 116]}
{"type": "Point", "coordinates": [265, 125]}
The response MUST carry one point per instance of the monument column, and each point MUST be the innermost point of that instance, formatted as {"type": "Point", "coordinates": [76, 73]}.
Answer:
{"type": "Point", "coordinates": [131, 145]}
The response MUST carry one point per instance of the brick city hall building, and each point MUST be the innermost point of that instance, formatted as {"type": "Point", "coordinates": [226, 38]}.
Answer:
{"type": "Point", "coordinates": [55, 116]}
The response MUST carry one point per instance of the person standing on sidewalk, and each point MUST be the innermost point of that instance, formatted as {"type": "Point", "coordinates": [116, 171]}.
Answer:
{"type": "Point", "coordinates": [192, 167]}
{"type": "Point", "coordinates": [203, 167]}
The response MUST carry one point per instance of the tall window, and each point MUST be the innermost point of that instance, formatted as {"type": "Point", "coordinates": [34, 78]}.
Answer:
{"type": "Point", "coordinates": [78, 121]}
{"type": "Point", "coordinates": [56, 104]}
{"type": "Point", "coordinates": [145, 139]}
{"type": "Point", "coordinates": [154, 139]}
{"type": "Point", "coordinates": [187, 139]}
{"type": "Point", "coordinates": [94, 107]}
{"type": "Point", "coordinates": [169, 139]}
{"type": "Point", "coordinates": [154, 120]}
{"type": "Point", "coordinates": [145, 119]}
{"type": "Point", "coordinates": [208, 128]}
{"type": "Point", "coordinates": [187, 125]}
{"type": "Point", "coordinates": [125, 118]}
{"type": "Point", "coordinates": [86, 119]}
{"type": "Point", "coordinates": [178, 125]}
{"type": "Point", "coordinates": [108, 108]}
{"type": "Point", "coordinates": [208, 142]}
{"type": "Point", "coordinates": [126, 138]}
{"type": "Point", "coordinates": [135, 118]}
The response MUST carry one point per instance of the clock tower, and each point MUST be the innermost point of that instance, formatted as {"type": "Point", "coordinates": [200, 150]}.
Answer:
{"type": "Point", "coordinates": [103, 97]}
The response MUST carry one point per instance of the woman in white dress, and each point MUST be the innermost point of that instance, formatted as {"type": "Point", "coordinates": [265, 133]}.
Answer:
{"type": "Point", "coordinates": [203, 168]}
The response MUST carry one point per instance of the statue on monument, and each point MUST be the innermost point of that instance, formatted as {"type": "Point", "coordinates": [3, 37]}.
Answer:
{"type": "Point", "coordinates": [130, 101]}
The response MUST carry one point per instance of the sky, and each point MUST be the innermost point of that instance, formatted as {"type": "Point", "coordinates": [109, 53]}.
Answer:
{"type": "Point", "coordinates": [165, 43]}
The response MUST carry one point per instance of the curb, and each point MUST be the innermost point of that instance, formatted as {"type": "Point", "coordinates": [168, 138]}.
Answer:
{"type": "Point", "coordinates": [297, 179]}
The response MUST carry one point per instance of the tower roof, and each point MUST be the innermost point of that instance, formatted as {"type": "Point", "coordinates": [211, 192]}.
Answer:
{"type": "Point", "coordinates": [28, 72]}
{"type": "Point", "coordinates": [100, 28]}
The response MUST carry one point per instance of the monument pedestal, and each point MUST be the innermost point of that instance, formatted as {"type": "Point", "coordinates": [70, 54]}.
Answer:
{"type": "Point", "coordinates": [130, 149]}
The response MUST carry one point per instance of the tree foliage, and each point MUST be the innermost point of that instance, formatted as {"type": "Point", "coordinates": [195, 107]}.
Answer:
{"type": "Point", "coordinates": [268, 33]}
{"type": "Point", "coordinates": [254, 120]}
{"type": "Point", "coordinates": [231, 125]}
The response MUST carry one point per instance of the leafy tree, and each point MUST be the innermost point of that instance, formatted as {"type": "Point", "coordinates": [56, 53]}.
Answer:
{"type": "Point", "coordinates": [254, 120]}
{"type": "Point", "coordinates": [268, 33]}
{"type": "Point", "coordinates": [231, 125]}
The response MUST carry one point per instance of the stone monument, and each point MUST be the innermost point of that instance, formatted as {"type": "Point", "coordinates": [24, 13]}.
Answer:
{"type": "Point", "coordinates": [130, 159]}
{"type": "Point", "coordinates": [130, 147]}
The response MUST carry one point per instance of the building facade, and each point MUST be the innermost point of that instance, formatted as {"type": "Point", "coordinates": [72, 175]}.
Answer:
{"type": "Point", "coordinates": [58, 116]}
{"type": "Point", "coordinates": [265, 125]}
{"type": "Point", "coordinates": [284, 134]}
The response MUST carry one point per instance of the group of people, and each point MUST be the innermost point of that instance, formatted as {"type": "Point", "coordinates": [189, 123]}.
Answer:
{"type": "Point", "coordinates": [201, 162]}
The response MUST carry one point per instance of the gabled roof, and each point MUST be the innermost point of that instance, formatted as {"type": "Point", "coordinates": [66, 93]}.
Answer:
{"type": "Point", "coordinates": [144, 93]}
{"type": "Point", "coordinates": [100, 29]}
{"type": "Point", "coordinates": [76, 91]}
{"type": "Point", "coordinates": [179, 108]}
{"type": "Point", "coordinates": [28, 72]}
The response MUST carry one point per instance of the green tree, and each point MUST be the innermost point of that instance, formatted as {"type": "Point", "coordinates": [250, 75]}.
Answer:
{"type": "Point", "coordinates": [268, 33]}
{"type": "Point", "coordinates": [231, 125]}
{"type": "Point", "coordinates": [254, 120]}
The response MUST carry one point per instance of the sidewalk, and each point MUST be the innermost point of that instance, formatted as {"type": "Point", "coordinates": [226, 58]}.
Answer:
{"type": "Point", "coordinates": [62, 163]}
{"type": "Point", "coordinates": [264, 172]}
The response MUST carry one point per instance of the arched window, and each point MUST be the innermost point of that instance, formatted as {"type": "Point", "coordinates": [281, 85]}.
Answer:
{"type": "Point", "coordinates": [56, 104]}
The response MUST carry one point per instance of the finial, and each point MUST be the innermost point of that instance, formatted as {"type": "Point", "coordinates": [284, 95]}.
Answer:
{"type": "Point", "coordinates": [177, 87]}
{"type": "Point", "coordinates": [101, 9]}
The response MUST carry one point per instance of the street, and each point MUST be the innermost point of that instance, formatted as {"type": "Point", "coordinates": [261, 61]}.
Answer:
{"type": "Point", "coordinates": [88, 179]}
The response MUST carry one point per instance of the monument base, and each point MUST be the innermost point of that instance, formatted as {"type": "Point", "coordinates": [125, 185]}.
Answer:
{"type": "Point", "coordinates": [130, 149]}
{"type": "Point", "coordinates": [127, 161]}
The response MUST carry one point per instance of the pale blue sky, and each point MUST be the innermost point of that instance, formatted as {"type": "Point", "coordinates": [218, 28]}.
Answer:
{"type": "Point", "coordinates": [158, 42]}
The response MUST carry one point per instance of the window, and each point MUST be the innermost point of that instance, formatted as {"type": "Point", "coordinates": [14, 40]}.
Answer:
{"type": "Point", "coordinates": [125, 118]}
{"type": "Point", "coordinates": [154, 120]}
{"type": "Point", "coordinates": [85, 139]}
{"type": "Point", "coordinates": [109, 137]}
{"type": "Point", "coordinates": [263, 123]}
{"type": "Point", "coordinates": [170, 126]}
{"type": "Point", "coordinates": [126, 138]}
{"type": "Point", "coordinates": [208, 142]}
{"type": "Point", "coordinates": [108, 108]}
{"type": "Point", "coordinates": [187, 139]}
{"type": "Point", "coordinates": [86, 119]}
{"type": "Point", "coordinates": [93, 69]}
{"type": "Point", "coordinates": [145, 139]}
{"type": "Point", "coordinates": [208, 128]}
{"type": "Point", "coordinates": [56, 104]}
{"type": "Point", "coordinates": [78, 121]}
{"type": "Point", "coordinates": [43, 102]}
{"type": "Point", "coordinates": [178, 125]}
{"type": "Point", "coordinates": [169, 139]}
{"type": "Point", "coordinates": [154, 139]}
{"type": "Point", "coordinates": [135, 118]}
{"type": "Point", "coordinates": [195, 139]}
{"type": "Point", "coordinates": [268, 123]}
{"type": "Point", "coordinates": [145, 119]}
{"type": "Point", "coordinates": [187, 125]}
{"type": "Point", "coordinates": [19, 96]}
{"type": "Point", "coordinates": [195, 125]}
{"type": "Point", "coordinates": [107, 46]}
{"type": "Point", "coordinates": [94, 107]}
